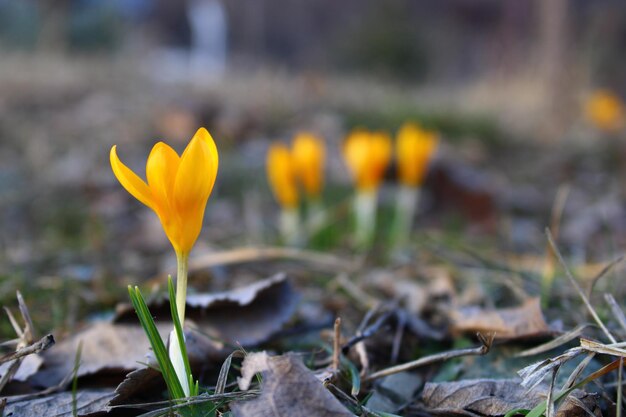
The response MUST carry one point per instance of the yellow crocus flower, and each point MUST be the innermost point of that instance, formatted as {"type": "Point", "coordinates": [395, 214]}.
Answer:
{"type": "Point", "coordinates": [177, 188]}
{"type": "Point", "coordinates": [281, 176]}
{"type": "Point", "coordinates": [367, 155]}
{"type": "Point", "coordinates": [308, 152]}
{"type": "Point", "coordinates": [414, 149]}
{"type": "Point", "coordinates": [605, 111]}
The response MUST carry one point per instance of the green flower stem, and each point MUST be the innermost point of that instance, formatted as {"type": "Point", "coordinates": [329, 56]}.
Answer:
{"type": "Point", "coordinates": [365, 203]}
{"type": "Point", "coordinates": [181, 285]}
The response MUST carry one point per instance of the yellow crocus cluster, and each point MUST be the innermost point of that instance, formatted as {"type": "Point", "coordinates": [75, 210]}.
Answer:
{"type": "Point", "coordinates": [302, 164]}
{"type": "Point", "coordinates": [605, 111]}
{"type": "Point", "coordinates": [178, 187]}
{"type": "Point", "coordinates": [367, 155]}
{"type": "Point", "coordinates": [414, 150]}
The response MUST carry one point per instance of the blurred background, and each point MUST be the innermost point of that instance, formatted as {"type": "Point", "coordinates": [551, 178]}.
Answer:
{"type": "Point", "coordinates": [509, 86]}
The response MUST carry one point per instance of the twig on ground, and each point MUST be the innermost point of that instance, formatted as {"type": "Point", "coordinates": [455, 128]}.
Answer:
{"type": "Point", "coordinates": [336, 343]}
{"type": "Point", "coordinates": [355, 292]}
{"type": "Point", "coordinates": [580, 291]}
{"type": "Point", "coordinates": [397, 338]}
{"type": "Point", "coordinates": [43, 344]}
{"type": "Point", "coordinates": [486, 343]}
{"type": "Point", "coordinates": [24, 343]}
{"type": "Point", "coordinates": [252, 254]}
{"type": "Point", "coordinates": [368, 332]}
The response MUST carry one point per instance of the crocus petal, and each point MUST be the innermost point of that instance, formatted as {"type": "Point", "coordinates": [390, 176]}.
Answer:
{"type": "Point", "coordinates": [281, 176]}
{"type": "Point", "coordinates": [367, 155]}
{"type": "Point", "coordinates": [356, 151]}
{"type": "Point", "coordinates": [130, 181]}
{"type": "Point", "coordinates": [415, 147]}
{"type": "Point", "coordinates": [206, 137]}
{"type": "Point", "coordinates": [308, 161]}
{"type": "Point", "coordinates": [192, 187]}
{"type": "Point", "coordinates": [161, 169]}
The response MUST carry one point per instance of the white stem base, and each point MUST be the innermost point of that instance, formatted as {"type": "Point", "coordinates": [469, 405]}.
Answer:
{"type": "Point", "coordinates": [176, 356]}
{"type": "Point", "coordinates": [406, 206]}
{"type": "Point", "coordinates": [290, 226]}
{"type": "Point", "coordinates": [316, 217]}
{"type": "Point", "coordinates": [365, 203]}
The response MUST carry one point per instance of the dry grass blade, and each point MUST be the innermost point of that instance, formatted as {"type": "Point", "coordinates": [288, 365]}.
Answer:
{"type": "Point", "coordinates": [16, 327]}
{"type": "Point", "coordinates": [618, 313]}
{"type": "Point", "coordinates": [533, 374]}
{"type": "Point", "coordinates": [220, 386]}
{"type": "Point", "coordinates": [573, 281]}
{"type": "Point", "coordinates": [602, 273]}
{"type": "Point", "coordinates": [549, 400]}
{"type": "Point", "coordinates": [619, 387]}
{"type": "Point", "coordinates": [554, 343]}
{"type": "Point", "coordinates": [571, 380]}
{"type": "Point", "coordinates": [486, 343]}
{"type": "Point", "coordinates": [596, 347]}
{"type": "Point", "coordinates": [29, 329]}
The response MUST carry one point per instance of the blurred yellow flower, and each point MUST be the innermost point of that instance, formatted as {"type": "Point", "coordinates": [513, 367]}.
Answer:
{"type": "Point", "coordinates": [605, 110]}
{"type": "Point", "coordinates": [282, 176]}
{"type": "Point", "coordinates": [308, 152]}
{"type": "Point", "coordinates": [414, 150]}
{"type": "Point", "coordinates": [177, 188]}
{"type": "Point", "coordinates": [367, 155]}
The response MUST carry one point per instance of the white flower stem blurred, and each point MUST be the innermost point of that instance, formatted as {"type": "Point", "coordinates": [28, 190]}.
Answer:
{"type": "Point", "coordinates": [290, 226]}
{"type": "Point", "coordinates": [407, 200]}
{"type": "Point", "coordinates": [365, 204]}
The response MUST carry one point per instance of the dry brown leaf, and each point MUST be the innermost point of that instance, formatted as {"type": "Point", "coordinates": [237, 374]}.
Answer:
{"type": "Point", "coordinates": [488, 397]}
{"type": "Point", "coordinates": [247, 315]}
{"type": "Point", "coordinates": [520, 322]}
{"type": "Point", "coordinates": [29, 366]}
{"type": "Point", "coordinates": [395, 391]}
{"type": "Point", "coordinates": [138, 385]}
{"type": "Point", "coordinates": [112, 349]}
{"type": "Point", "coordinates": [105, 348]}
{"type": "Point", "coordinates": [88, 403]}
{"type": "Point", "coordinates": [289, 389]}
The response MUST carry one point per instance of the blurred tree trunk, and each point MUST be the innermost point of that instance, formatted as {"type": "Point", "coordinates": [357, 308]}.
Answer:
{"type": "Point", "coordinates": [53, 34]}
{"type": "Point", "coordinates": [555, 68]}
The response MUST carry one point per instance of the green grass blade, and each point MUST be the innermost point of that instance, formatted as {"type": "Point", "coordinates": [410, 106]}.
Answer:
{"type": "Point", "coordinates": [147, 322]}
{"type": "Point", "coordinates": [355, 378]}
